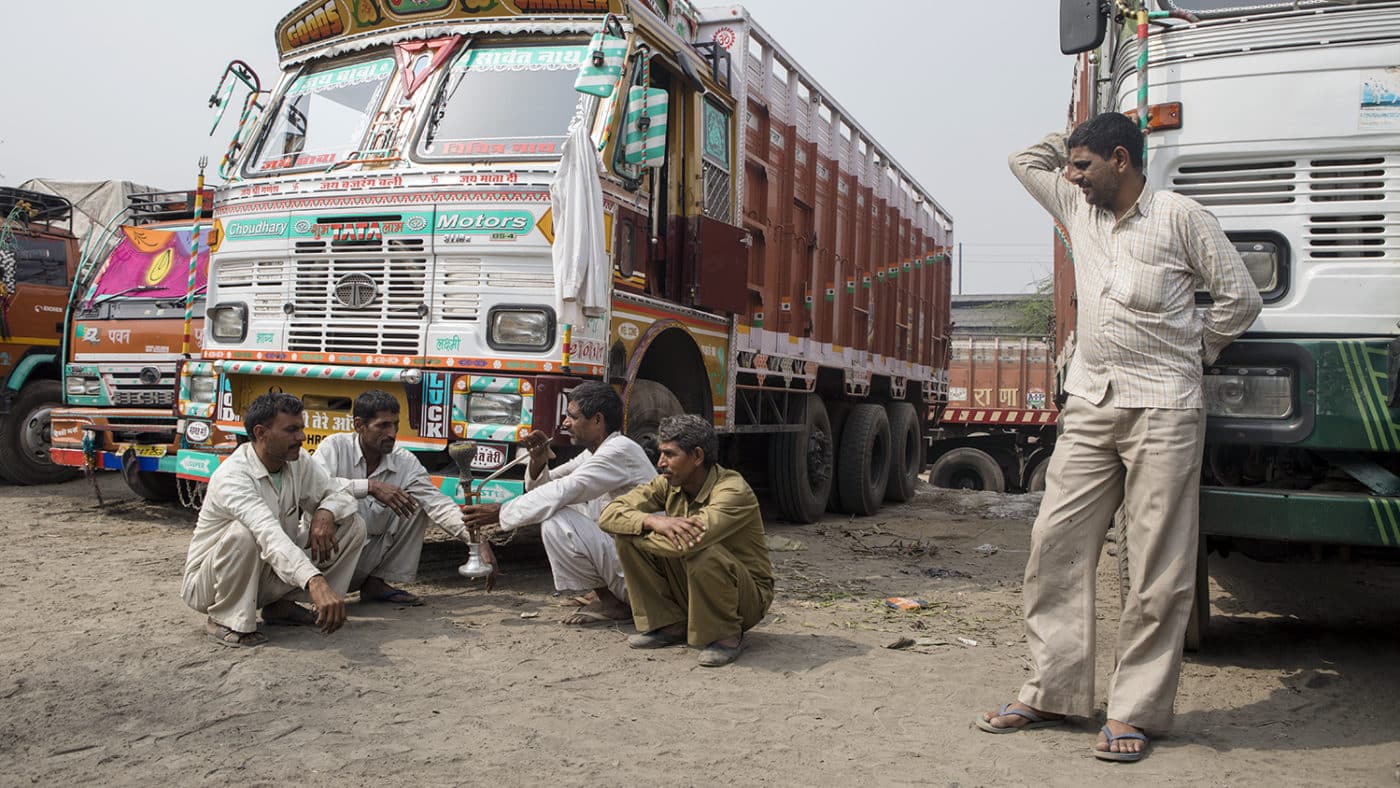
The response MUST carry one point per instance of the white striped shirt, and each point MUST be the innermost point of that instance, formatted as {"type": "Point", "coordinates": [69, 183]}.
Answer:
{"type": "Point", "coordinates": [1136, 280]}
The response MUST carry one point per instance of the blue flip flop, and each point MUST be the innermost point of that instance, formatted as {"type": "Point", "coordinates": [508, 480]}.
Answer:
{"type": "Point", "coordinates": [1120, 757]}
{"type": "Point", "coordinates": [1033, 721]}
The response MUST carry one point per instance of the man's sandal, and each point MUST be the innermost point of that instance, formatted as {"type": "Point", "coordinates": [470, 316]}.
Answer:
{"type": "Point", "coordinates": [1033, 721]}
{"type": "Point", "coordinates": [292, 615]}
{"type": "Point", "coordinates": [1120, 757]}
{"type": "Point", "coordinates": [226, 636]}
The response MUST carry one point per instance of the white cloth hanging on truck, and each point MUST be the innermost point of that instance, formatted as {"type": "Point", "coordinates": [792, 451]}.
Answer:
{"type": "Point", "coordinates": [581, 266]}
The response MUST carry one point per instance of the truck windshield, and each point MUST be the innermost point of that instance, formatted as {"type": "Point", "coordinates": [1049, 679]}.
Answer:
{"type": "Point", "coordinates": [1234, 7]}
{"type": "Point", "coordinates": [323, 117]}
{"type": "Point", "coordinates": [504, 102]}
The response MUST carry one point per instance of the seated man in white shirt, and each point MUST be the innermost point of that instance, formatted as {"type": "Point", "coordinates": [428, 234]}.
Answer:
{"type": "Point", "coordinates": [395, 495]}
{"type": "Point", "coordinates": [250, 548]}
{"type": "Point", "coordinates": [566, 501]}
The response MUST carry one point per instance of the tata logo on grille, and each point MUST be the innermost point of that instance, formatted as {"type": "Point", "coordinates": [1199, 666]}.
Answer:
{"type": "Point", "coordinates": [356, 291]}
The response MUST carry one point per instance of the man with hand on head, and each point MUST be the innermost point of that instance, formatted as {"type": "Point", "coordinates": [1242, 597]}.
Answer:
{"type": "Point", "coordinates": [250, 548]}
{"type": "Point", "coordinates": [1133, 430]}
{"type": "Point", "coordinates": [396, 498]}
{"type": "Point", "coordinates": [692, 547]}
{"type": "Point", "coordinates": [566, 501]}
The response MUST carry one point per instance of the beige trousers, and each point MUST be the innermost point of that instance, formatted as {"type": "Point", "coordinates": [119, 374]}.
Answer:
{"type": "Point", "coordinates": [1149, 460]}
{"type": "Point", "coordinates": [235, 581]}
{"type": "Point", "coordinates": [709, 590]}
{"type": "Point", "coordinates": [392, 555]}
{"type": "Point", "coordinates": [581, 555]}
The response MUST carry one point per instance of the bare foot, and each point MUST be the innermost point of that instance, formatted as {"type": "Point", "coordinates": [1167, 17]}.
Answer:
{"type": "Point", "coordinates": [1117, 728]}
{"type": "Point", "coordinates": [1010, 720]}
{"type": "Point", "coordinates": [599, 611]}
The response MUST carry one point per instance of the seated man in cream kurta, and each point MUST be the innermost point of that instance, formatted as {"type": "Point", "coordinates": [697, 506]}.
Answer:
{"type": "Point", "coordinates": [566, 501]}
{"type": "Point", "coordinates": [397, 498]}
{"type": "Point", "coordinates": [250, 548]}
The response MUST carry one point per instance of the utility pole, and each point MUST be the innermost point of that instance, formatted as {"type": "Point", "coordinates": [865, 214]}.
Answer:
{"type": "Point", "coordinates": [959, 267]}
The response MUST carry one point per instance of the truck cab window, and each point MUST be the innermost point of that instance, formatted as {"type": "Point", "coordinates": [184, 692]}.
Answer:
{"type": "Point", "coordinates": [41, 261]}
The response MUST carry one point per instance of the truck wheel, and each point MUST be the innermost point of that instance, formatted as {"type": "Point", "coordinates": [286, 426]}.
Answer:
{"type": "Point", "coordinates": [1200, 602]}
{"type": "Point", "coordinates": [837, 413]}
{"type": "Point", "coordinates": [25, 437]}
{"type": "Point", "coordinates": [968, 469]}
{"type": "Point", "coordinates": [906, 452]}
{"type": "Point", "coordinates": [864, 468]}
{"type": "Point", "coordinates": [648, 402]}
{"type": "Point", "coordinates": [799, 465]}
{"type": "Point", "coordinates": [1036, 482]}
{"type": "Point", "coordinates": [154, 486]}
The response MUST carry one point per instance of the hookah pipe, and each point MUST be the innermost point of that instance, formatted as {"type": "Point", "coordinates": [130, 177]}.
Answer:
{"type": "Point", "coordinates": [480, 560]}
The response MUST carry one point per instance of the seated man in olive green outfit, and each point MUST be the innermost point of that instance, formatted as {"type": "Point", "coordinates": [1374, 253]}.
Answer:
{"type": "Point", "coordinates": [692, 548]}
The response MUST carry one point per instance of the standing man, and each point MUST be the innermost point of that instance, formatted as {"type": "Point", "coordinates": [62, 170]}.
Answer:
{"type": "Point", "coordinates": [1134, 424]}
{"type": "Point", "coordinates": [250, 548]}
{"type": "Point", "coordinates": [692, 547]}
{"type": "Point", "coordinates": [566, 501]}
{"type": "Point", "coordinates": [395, 495]}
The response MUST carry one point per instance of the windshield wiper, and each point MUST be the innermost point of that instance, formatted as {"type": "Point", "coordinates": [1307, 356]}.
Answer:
{"type": "Point", "coordinates": [444, 97]}
{"type": "Point", "coordinates": [109, 296]}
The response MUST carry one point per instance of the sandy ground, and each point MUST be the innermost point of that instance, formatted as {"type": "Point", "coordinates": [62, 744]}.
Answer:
{"type": "Point", "coordinates": [106, 677]}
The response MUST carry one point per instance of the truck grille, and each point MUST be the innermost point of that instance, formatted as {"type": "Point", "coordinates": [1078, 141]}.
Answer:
{"type": "Point", "coordinates": [128, 389]}
{"type": "Point", "coordinates": [258, 282]}
{"type": "Point", "coordinates": [369, 296]}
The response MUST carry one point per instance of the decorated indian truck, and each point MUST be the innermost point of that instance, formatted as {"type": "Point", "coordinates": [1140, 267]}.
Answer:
{"type": "Point", "coordinates": [124, 340]}
{"type": "Point", "coordinates": [1283, 118]}
{"type": "Point", "coordinates": [723, 238]}
{"type": "Point", "coordinates": [998, 430]}
{"type": "Point", "coordinates": [38, 259]}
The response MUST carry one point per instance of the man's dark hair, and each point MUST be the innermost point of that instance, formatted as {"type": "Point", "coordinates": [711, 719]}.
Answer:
{"type": "Point", "coordinates": [596, 397]}
{"type": "Point", "coordinates": [374, 402]}
{"type": "Point", "coordinates": [265, 407]}
{"type": "Point", "coordinates": [690, 432]}
{"type": "Point", "coordinates": [1103, 133]}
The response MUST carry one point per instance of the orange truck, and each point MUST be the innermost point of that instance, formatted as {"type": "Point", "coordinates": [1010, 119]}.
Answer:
{"type": "Point", "coordinates": [123, 342]}
{"type": "Point", "coordinates": [38, 260]}
{"type": "Point", "coordinates": [999, 427]}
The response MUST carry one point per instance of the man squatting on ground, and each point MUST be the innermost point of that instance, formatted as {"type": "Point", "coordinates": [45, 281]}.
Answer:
{"type": "Point", "coordinates": [1134, 425]}
{"type": "Point", "coordinates": [395, 495]}
{"type": "Point", "coordinates": [692, 548]}
{"type": "Point", "coordinates": [566, 501]}
{"type": "Point", "coordinates": [250, 548]}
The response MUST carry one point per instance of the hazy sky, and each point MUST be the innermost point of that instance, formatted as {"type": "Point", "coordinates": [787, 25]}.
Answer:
{"type": "Point", "coordinates": [96, 91]}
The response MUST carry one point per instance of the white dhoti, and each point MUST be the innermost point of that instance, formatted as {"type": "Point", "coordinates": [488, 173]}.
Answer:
{"type": "Point", "coordinates": [581, 555]}
{"type": "Point", "coordinates": [234, 581]}
{"type": "Point", "coordinates": [392, 554]}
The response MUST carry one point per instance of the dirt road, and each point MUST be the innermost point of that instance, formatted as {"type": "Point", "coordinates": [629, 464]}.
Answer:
{"type": "Point", "coordinates": [106, 677]}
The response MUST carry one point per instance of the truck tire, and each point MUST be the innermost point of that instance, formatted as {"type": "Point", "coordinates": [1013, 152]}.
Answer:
{"type": "Point", "coordinates": [153, 486]}
{"type": "Point", "coordinates": [906, 452]}
{"type": "Point", "coordinates": [800, 463]}
{"type": "Point", "coordinates": [25, 437]}
{"type": "Point", "coordinates": [1036, 481]}
{"type": "Point", "coordinates": [837, 413]}
{"type": "Point", "coordinates": [864, 467]}
{"type": "Point", "coordinates": [648, 402]}
{"type": "Point", "coordinates": [967, 468]}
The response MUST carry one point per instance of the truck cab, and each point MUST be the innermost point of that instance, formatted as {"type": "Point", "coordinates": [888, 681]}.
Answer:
{"type": "Point", "coordinates": [38, 261]}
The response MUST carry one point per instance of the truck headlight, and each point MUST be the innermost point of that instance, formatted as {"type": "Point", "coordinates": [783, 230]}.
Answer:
{"type": "Point", "coordinates": [82, 386]}
{"type": "Point", "coordinates": [520, 328]}
{"type": "Point", "coordinates": [1249, 392]}
{"type": "Point", "coordinates": [228, 322]}
{"type": "Point", "coordinates": [486, 408]}
{"type": "Point", "coordinates": [202, 388]}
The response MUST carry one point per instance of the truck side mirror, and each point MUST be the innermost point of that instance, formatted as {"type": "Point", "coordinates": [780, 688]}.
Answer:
{"type": "Point", "coordinates": [644, 128]}
{"type": "Point", "coordinates": [1083, 24]}
{"type": "Point", "coordinates": [602, 65]}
